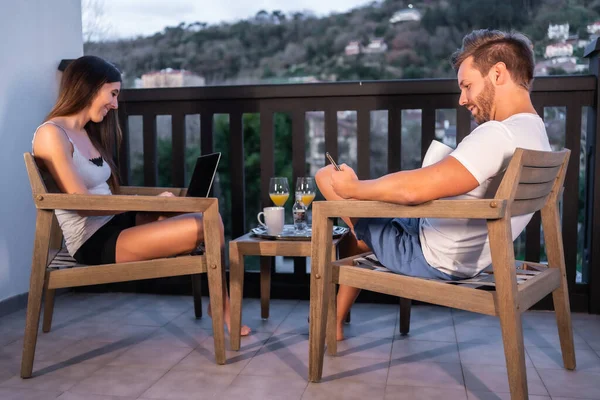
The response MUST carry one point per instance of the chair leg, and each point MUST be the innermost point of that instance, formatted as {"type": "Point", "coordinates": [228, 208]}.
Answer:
{"type": "Point", "coordinates": [560, 296]}
{"type": "Point", "coordinates": [48, 310]}
{"type": "Point", "coordinates": [503, 262]}
{"type": "Point", "coordinates": [236, 290]}
{"type": "Point", "coordinates": [197, 293]}
{"type": "Point", "coordinates": [331, 329]}
{"type": "Point", "coordinates": [320, 286]}
{"type": "Point", "coordinates": [265, 286]}
{"type": "Point", "coordinates": [405, 305]}
{"type": "Point", "coordinates": [36, 290]}
{"type": "Point", "coordinates": [563, 321]}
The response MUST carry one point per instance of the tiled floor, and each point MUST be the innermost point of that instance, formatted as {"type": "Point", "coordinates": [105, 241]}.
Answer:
{"type": "Point", "coordinates": [128, 346]}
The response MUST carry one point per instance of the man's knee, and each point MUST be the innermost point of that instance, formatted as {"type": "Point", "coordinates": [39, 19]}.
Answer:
{"type": "Point", "coordinates": [323, 177]}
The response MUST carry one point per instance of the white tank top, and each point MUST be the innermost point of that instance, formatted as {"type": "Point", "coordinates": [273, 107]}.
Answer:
{"type": "Point", "coordinates": [77, 229]}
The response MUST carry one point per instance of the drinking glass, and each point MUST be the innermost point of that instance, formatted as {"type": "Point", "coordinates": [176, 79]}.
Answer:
{"type": "Point", "coordinates": [305, 187]}
{"type": "Point", "coordinates": [279, 191]}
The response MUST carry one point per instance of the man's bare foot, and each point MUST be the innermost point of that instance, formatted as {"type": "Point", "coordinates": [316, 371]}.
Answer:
{"type": "Point", "coordinates": [244, 331]}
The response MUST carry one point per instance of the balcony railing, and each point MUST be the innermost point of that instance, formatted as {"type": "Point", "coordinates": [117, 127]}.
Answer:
{"type": "Point", "coordinates": [574, 96]}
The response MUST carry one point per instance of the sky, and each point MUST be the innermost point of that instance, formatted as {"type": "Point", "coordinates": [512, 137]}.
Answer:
{"type": "Point", "coordinates": [129, 18]}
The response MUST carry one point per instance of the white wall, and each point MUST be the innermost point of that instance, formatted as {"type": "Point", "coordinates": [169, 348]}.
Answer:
{"type": "Point", "coordinates": [35, 36]}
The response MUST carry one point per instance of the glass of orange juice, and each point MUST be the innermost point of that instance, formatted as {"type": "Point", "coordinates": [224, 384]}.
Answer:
{"type": "Point", "coordinates": [279, 191]}
{"type": "Point", "coordinates": [305, 187]}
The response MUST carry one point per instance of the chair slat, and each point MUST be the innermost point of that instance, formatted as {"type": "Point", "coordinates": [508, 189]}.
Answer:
{"type": "Point", "coordinates": [543, 159]}
{"type": "Point", "coordinates": [521, 207]}
{"type": "Point", "coordinates": [538, 175]}
{"type": "Point", "coordinates": [526, 191]}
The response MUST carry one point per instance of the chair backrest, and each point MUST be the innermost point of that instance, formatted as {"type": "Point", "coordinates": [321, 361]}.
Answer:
{"type": "Point", "coordinates": [40, 179]}
{"type": "Point", "coordinates": [533, 179]}
{"type": "Point", "coordinates": [41, 182]}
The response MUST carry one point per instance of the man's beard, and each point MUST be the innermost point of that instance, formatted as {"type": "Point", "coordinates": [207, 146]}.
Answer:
{"type": "Point", "coordinates": [484, 103]}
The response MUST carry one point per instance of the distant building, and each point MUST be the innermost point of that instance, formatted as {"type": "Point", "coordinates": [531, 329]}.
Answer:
{"type": "Point", "coordinates": [171, 78]}
{"type": "Point", "coordinates": [594, 28]}
{"type": "Point", "coordinates": [352, 48]}
{"type": "Point", "coordinates": [558, 50]}
{"type": "Point", "coordinates": [376, 45]}
{"type": "Point", "coordinates": [408, 14]}
{"type": "Point", "coordinates": [558, 31]}
{"type": "Point", "coordinates": [567, 64]}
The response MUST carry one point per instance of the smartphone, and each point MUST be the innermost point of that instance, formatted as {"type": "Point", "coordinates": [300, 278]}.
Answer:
{"type": "Point", "coordinates": [337, 168]}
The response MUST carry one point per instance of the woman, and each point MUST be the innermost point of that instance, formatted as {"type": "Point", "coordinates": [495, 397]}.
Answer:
{"type": "Point", "coordinates": [75, 144]}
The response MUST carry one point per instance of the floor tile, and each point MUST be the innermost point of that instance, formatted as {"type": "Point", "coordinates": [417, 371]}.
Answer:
{"type": "Point", "coordinates": [551, 358]}
{"type": "Point", "coordinates": [185, 385]}
{"type": "Point", "coordinates": [278, 364]}
{"type": "Point", "coordinates": [365, 347]}
{"type": "Point", "coordinates": [28, 394]}
{"type": "Point", "coordinates": [436, 330]}
{"type": "Point", "coordinates": [499, 396]}
{"type": "Point", "coordinates": [393, 392]}
{"type": "Point", "coordinates": [440, 375]}
{"type": "Point", "coordinates": [343, 390]}
{"type": "Point", "coordinates": [148, 354]}
{"type": "Point", "coordinates": [355, 369]}
{"type": "Point", "coordinates": [87, 396]}
{"type": "Point", "coordinates": [407, 351]}
{"type": "Point", "coordinates": [565, 383]}
{"type": "Point", "coordinates": [249, 387]}
{"type": "Point", "coordinates": [485, 354]}
{"type": "Point", "coordinates": [493, 378]}
{"type": "Point", "coordinates": [202, 358]}
{"type": "Point", "coordinates": [125, 381]}
{"type": "Point", "coordinates": [54, 377]}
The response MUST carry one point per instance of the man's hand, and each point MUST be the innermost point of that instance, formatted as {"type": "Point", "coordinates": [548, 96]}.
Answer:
{"type": "Point", "coordinates": [343, 182]}
{"type": "Point", "coordinates": [166, 194]}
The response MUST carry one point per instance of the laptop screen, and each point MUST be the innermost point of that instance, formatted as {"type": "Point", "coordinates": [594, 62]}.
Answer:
{"type": "Point", "coordinates": [204, 175]}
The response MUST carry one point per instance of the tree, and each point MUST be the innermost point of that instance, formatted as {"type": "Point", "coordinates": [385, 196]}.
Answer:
{"type": "Point", "coordinates": [95, 27]}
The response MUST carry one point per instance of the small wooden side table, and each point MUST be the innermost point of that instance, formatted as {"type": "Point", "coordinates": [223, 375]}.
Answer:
{"type": "Point", "coordinates": [249, 245]}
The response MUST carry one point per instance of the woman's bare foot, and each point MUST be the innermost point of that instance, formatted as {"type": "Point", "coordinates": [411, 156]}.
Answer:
{"type": "Point", "coordinates": [245, 330]}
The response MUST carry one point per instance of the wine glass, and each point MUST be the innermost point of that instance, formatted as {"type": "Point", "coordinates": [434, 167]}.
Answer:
{"type": "Point", "coordinates": [306, 188]}
{"type": "Point", "coordinates": [279, 191]}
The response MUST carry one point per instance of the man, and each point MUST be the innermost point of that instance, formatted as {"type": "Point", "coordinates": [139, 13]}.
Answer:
{"type": "Point", "coordinates": [495, 72]}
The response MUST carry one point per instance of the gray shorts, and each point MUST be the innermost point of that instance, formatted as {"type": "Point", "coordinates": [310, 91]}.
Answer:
{"type": "Point", "coordinates": [395, 242]}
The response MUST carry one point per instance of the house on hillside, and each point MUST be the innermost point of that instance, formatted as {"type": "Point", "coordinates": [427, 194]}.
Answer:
{"type": "Point", "coordinates": [558, 50]}
{"type": "Point", "coordinates": [408, 14]}
{"type": "Point", "coordinates": [558, 31]}
{"type": "Point", "coordinates": [376, 45]}
{"type": "Point", "coordinates": [170, 77]}
{"type": "Point", "coordinates": [594, 28]}
{"type": "Point", "coordinates": [352, 48]}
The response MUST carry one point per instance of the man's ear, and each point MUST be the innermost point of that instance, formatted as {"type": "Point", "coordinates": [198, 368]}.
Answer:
{"type": "Point", "coordinates": [499, 74]}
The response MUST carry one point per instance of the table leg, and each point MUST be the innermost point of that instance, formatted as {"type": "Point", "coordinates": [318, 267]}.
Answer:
{"type": "Point", "coordinates": [236, 290]}
{"type": "Point", "coordinates": [265, 286]}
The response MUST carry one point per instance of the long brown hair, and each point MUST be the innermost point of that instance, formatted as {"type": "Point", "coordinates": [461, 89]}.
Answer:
{"type": "Point", "coordinates": [80, 84]}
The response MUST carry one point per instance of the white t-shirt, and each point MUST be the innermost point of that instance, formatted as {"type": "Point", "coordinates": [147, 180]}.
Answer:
{"type": "Point", "coordinates": [460, 247]}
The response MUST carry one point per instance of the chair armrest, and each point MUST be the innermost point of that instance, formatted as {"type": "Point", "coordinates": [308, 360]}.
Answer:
{"type": "Point", "coordinates": [88, 202]}
{"type": "Point", "coordinates": [150, 191]}
{"type": "Point", "coordinates": [476, 209]}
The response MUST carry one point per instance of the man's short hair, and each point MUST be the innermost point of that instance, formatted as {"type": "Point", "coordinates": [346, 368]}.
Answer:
{"type": "Point", "coordinates": [489, 47]}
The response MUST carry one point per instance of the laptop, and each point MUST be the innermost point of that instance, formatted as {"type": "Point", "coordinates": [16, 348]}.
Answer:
{"type": "Point", "coordinates": [203, 175]}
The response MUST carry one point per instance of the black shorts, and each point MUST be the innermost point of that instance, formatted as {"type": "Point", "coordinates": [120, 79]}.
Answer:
{"type": "Point", "coordinates": [100, 248]}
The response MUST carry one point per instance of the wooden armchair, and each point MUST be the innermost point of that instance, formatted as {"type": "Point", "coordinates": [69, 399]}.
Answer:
{"type": "Point", "coordinates": [532, 182]}
{"type": "Point", "coordinates": [47, 276]}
